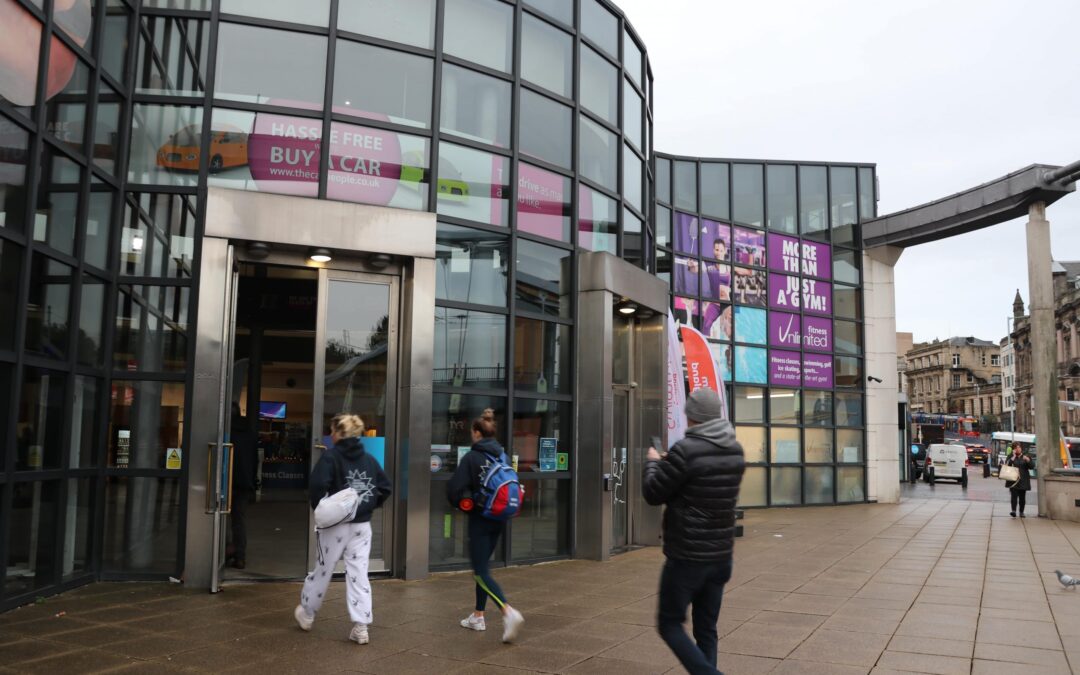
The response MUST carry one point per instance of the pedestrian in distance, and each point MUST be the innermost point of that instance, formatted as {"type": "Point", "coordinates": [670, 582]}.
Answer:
{"type": "Point", "coordinates": [465, 491]}
{"type": "Point", "coordinates": [244, 481]}
{"type": "Point", "coordinates": [1018, 489]}
{"type": "Point", "coordinates": [345, 465]}
{"type": "Point", "coordinates": [698, 480]}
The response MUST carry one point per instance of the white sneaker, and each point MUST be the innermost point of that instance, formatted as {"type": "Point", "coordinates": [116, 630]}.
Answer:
{"type": "Point", "coordinates": [473, 622]}
{"type": "Point", "coordinates": [304, 619]}
{"type": "Point", "coordinates": [512, 622]}
{"type": "Point", "coordinates": [359, 634]}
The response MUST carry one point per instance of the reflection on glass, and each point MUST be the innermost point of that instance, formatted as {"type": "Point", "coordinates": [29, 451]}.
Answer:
{"type": "Point", "coordinates": [114, 43]}
{"type": "Point", "coordinates": [470, 349]}
{"type": "Point", "coordinates": [408, 21]}
{"type": "Point", "coordinates": [545, 129]}
{"type": "Point", "coordinates": [752, 439]}
{"type": "Point", "coordinates": [47, 307]}
{"type": "Point", "coordinates": [542, 528]}
{"type": "Point", "coordinates": [685, 185]}
{"type": "Point", "coordinates": [451, 427]}
{"type": "Point", "coordinates": [471, 265]}
{"type": "Point", "coordinates": [842, 210]}
{"type": "Point", "coordinates": [633, 109]}
{"type": "Point", "coordinates": [264, 65]}
{"type": "Point", "coordinates": [632, 58]}
{"type": "Point", "coordinates": [598, 152]}
{"type": "Point", "coordinates": [846, 302]}
{"type": "Point", "coordinates": [142, 520]}
{"type": "Point", "coordinates": [106, 129]}
{"type": "Point", "coordinates": [845, 268]}
{"type": "Point", "coordinates": [598, 225]}
{"type": "Point", "coordinates": [867, 194]}
{"type": "Point", "coordinates": [14, 156]}
{"type": "Point", "coordinates": [375, 166]}
{"type": "Point", "coordinates": [848, 372]}
{"type": "Point", "coordinates": [10, 273]}
{"type": "Point", "coordinates": [600, 26]}
{"type": "Point", "coordinates": [543, 203]}
{"type": "Point", "coordinates": [818, 405]}
{"type": "Point", "coordinates": [819, 446]}
{"type": "Point", "coordinates": [785, 489]}
{"type": "Point", "coordinates": [752, 491]}
{"type": "Point", "coordinates": [599, 86]}
{"type": "Point", "coordinates": [19, 86]}
{"type": "Point", "coordinates": [65, 112]}
{"type": "Point", "coordinates": [544, 278]}
{"type": "Point", "coordinates": [818, 482]}
{"type": "Point", "coordinates": [813, 201]}
{"type": "Point", "coordinates": [663, 180]}
{"type": "Point", "coordinates": [563, 10]}
{"type": "Point", "coordinates": [747, 194]}
{"type": "Point", "coordinates": [85, 409]}
{"type": "Point", "coordinates": [475, 106]}
{"type": "Point", "coordinates": [784, 406]}
{"type": "Point", "coordinates": [547, 56]}
{"type": "Point", "coordinates": [535, 419]}
{"type": "Point", "coordinates": [357, 353]}
{"type": "Point", "coordinates": [849, 484]}
{"type": "Point", "coordinates": [32, 560]}
{"type": "Point", "coordinates": [173, 55]}
{"type": "Point", "coordinates": [146, 418]}
{"type": "Point", "coordinates": [849, 444]}
{"type": "Point", "coordinates": [163, 145]}
{"type": "Point", "coordinates": [39, 438]}
{"type": "Point", "coordinates": [848, 337]}
{"type": "Point", "coordinates": [479, 31]}
{"type": "Point", "coordinates": [781, 198]}
{"type": "Point", "coordinates": [151, 329]}
{"type": "Point", "coordinates": [663, 265]}
{"type": "Point", "coordinates": [663, 225]}
{"type": "Point", "coordinates": [541, 349]}
{"type": "Point", "coordinates": [633, 244]}
{"type": "Point", "coordinates": [714, 189]}
{"type": "Point", "coordinates": [784, 446]}
{"type": "Point", "coordinates": [90, 346]}
{"type": "Point", "coordinates": [632, 175]}
{"type": "Point", "coordinates": [749, 405]}
{"type": "Point", "coordinates": [78, 542]}
{"type": "Point", "coordinates": [849, 410]}
{"type": "Point", "coordinates": [310, 12]}
{"type": "Point", "coordinates": [98, 230]}
{"type": "Point", "coordinates": [157, 237]}
{"type": "Point", "coordinates": [76, 18]}
{"type": "Point", "coordinates": [54, 217]}
{"type": "Point", "coordinates": [473, 185]}
{"type": "Point", "coordinates": [382, 84]}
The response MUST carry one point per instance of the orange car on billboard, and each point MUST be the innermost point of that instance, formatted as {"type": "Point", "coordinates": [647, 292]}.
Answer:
{"type": "Point", "coordinates": [228, 148]}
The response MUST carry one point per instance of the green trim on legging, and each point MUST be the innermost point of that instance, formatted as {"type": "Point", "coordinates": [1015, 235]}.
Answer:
{"type": "Point", "coordinates": [480, 582]}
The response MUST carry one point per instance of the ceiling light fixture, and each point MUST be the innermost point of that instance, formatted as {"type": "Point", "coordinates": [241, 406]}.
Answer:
{"type": "Point", "coordinates": [320, 255]}
{"type": "Point", "coordinates": [627, 307]}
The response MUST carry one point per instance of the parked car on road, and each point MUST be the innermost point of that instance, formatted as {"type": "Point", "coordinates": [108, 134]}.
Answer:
{"type": "Point", "coordinates": [947, 461]}
{"type": "Point", "coordinates": [977, 453]}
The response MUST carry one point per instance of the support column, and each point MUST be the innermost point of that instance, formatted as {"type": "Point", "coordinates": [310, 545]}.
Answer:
{"type": "Point", "coordinates": [882, 397]}
{"type": "Point", "coordinates": [1044, 389]}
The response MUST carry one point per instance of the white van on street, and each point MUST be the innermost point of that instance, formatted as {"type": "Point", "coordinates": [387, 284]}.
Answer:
{"type": "Point", "coordinates": [947, 461]}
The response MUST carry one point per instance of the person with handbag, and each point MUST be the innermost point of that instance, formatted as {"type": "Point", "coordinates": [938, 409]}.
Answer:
{"type": "Point", "coordinates": [346, 466]}
{"type": "Point", "coordinates": [1017, 476]}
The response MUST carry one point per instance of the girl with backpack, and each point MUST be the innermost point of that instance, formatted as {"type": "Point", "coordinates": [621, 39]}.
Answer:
{"type": "Point", "coordinates": [346, 465]}
{"type": "Point", "coordinates": [466, 490]}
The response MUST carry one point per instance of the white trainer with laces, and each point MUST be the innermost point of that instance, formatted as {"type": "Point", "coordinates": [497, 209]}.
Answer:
{"type": "Point", "coordinates": [512, 622]}
{"type": "Point", "coordinates": [359, 634]}
{"type": "Point", "coordinates": [304, 619]}
{"type": "Point", "coordinates": [473, 622]}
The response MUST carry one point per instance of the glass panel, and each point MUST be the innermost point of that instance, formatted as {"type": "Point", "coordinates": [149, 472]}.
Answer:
{"type": "Point", "coordinates": [475, 106]}
{"type": "Point", "coordinates": [599, 86]}
{"type": "Point", "coordinates": [106, 129]}
{"type": "Point", "coordinates": [90, 345]}
{"type": "Point", "coordinates": [813, 201]}
{"type": "Point", "coordinates": [632, 59]}
{"type": "Point", "coordinates": [479, 31]}
{"type": "Point", "coordinates": [714, 190]}
{"type": "Point", "coordinates": [849, 484]}
{"type": "Point", "coordinates": [544, 279]}
{"type": "Point", "coordinates": [65, 112]}
{"type": "Point", "coordinates": [47, 307]}
{"type": "Point", "coordinates": [748, 194]}
{"type": "Point", "coordinates": [543, 203]}
{"type": "Point", "coordinates": [173, 56]}
{"type": "Point", "coordinates": [752, 489]}
{"type": "Point", "coordinates": [563, 10]}
{"type": "Point", "coordinates": [685, 185]}
{"type": "Point", "coordinates": [818, 483]}
{"type": "Point", "coordinates": [784, 406]}
{"type": "Point", "coordinates": [157, 240]}
{"type": "Point", "coordinates": [98, 231]}
{"type": "Point", "coordinates": [19, 85]}
{"type": "Point", "coordinates": [542, 529]}
{"type": "Point", "coordinates": [10, 274]}
{"type": "Point", "coordinates": [114, 43]}
{"type": "Point", "coordinates": [545, 129]}
{"type": "Point", "coordinates": [547, 56]}
{"type": "Point", "coordinates": [597, 221]}
{"type": "Point", "coordinates": [536, 419]}
{"type": "Point", "coordinates": [146, 419]}
{"type": "Point", "coordinates": [473, 185]}
{"type": "Point", "coordinates": [541, 350]}
{"type": "Point", "coordinates": [54, 219]}
{"type": "Point", "coordinates": [311, 12]}
{"type": "Point", "coordinates": [376, 166]}
{"type": "Point", "coordinates": [663, 225]}
{"type": "Point", "coordinates": [848, 372]}
{"type": "Point", "coordinates": [819, 446]}
{"type": "Point", "coordinates": [845, 267]}
{"type": "Point", "coordinates": [781, 198]}
{"type": "Point", "coordinates": [471, 265]}
{"type": "Point", "coordinates": [632, 171]}
{"type": "Point", "coordinates": [85, 416]}
{"type": "Point", "coordinates": [600, 26]}
{"type": "Point", "coordinates": [749, 405]}
{"type": "Point", "coordinates": [192, 5]}
{"type": "Point", "coordinates": [142, 518]}
{"type": "Point", "coordinates": [598, 154]}
{"type": "Point", "coordinates": [751, 365]}
{"type": "Point", "coordinates": [849, 410]}
{"type": "Point", "coordinates": [632, 244]}
{"type": "Point", "coordinates": [663, 180]}
{"type": "Point", "coordinates": [409, 21]}
{"type": "Point", "coordinates": [276, 67]}
{"type": "Point", "coordinates": [785, 486]}
{"type": "Point", "coordinates": [77, 20]}
{"type": "Point", "coordinates": [663, 265]}
{"type": "Point", "coordinates": [752, 440]}
{"type": "Point", "coordinates": [40, 441]}
{"type": "Point", "coordinates": [846, 302]}
{"type": "Point", "coordinates": [685, 310]}
{"type": "Point", "coordinates": [165, 145]}
{"type": "Point", "coordinates": [14, 156]}
{"type": "Point", "coordinates": [867, 200]}
{"type": "Point", "coordinates": [470, 348]}
{"type": "Point", "coordinates": [382, 84]}
{"type": "Point", "coordinates": [632, 114]}
{"type": "Point", "coordinates": [750, 325]}
{"type": "Point", "coordinates": [32, 561]}
{"type": "Point", "coordinates": [818, 406]}
{"type": "Point", "coordinates": [849, 443]}
{"type": "Point", "coordinates": [151, 329]}
{"type": "Point", "coordinates": [848, 337]}
{"type": "Point", "coordinates": [77, 553]}
{"type": "Point", "coordinates": [842, 212]}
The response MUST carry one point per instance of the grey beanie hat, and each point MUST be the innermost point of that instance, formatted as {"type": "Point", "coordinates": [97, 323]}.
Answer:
{"type": "Point", "coordinates": [703, 405]}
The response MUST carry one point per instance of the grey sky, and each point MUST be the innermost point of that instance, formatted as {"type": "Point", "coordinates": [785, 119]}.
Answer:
{"type": "Point", "coordinates": [940, 95]}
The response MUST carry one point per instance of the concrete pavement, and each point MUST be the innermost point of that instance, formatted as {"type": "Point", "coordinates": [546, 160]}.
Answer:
{"type": "Point", "coordinates": [929, 585]}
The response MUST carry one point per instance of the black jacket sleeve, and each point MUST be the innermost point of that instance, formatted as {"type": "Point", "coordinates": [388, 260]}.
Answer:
{"type": "Point", "coordinates": [383, 487]}
{"type": "Point", "coordinates": [323, 478]}
{"type": "Point", "coordinates": [662, 478]}
{"type": "Point", "coordinates": [461, 483]}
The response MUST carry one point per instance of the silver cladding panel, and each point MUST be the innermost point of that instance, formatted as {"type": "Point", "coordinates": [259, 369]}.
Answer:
{"type": "Point", "coordinates": [594, 425]}
{"type": "Point", "coordinates": [650, 365]}
{"type": "Point", "coordinates": [599, 271]}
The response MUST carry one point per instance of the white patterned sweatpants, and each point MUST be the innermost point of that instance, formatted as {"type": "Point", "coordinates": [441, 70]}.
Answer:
{"type": "Point", "coordinates": [353, 542]}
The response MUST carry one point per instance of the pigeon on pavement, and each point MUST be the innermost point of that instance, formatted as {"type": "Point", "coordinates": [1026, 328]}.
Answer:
{"type": "Point", "coordinates": [1066, 580]}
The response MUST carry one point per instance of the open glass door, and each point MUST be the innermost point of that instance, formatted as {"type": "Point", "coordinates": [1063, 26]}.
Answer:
{"type": "Point", "coordinates": [356, 372]}
{"type": "Point", "coordinates": [220, 456]}
{"type": "Point", "coordinates": [622, 441]}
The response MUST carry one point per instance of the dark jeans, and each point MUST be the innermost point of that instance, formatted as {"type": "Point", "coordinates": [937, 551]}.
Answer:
{"type": "Point", "coordinates": [700, 585]}
{"type": "Point", "coordinates": [238, 519]}
{"type": "Point", "coordinates": [483, 538]}
{"type": "Point", "coordinates": [1017, 496]}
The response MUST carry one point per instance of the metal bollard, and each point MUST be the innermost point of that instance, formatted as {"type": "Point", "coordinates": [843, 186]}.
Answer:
{"type": "Point", "coordinates": [986, 469]}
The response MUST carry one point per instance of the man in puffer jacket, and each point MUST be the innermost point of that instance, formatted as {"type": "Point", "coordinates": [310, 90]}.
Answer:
{"type": "Point", "coordinates": [698, 480]}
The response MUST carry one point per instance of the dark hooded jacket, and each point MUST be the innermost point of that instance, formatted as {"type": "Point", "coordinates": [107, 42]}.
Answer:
{"type": "Point", "coordinates": [1024, 483]}
{"type": "Point", "coordinates": [466, 479]}
{"type": "Point", "coordinates": [347, 464]}
{"type": "Point", "coordinates": [698, 480]}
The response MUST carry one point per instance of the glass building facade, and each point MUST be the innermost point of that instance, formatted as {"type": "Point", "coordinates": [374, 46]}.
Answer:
{"type": "Point", "coordinates": [524, 127]}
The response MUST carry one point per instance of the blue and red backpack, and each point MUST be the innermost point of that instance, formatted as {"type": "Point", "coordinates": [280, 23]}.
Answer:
{"type": "Point", "coordinates": [501, 493]}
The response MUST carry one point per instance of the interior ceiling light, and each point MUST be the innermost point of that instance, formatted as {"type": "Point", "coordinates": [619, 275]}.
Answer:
{"type": "Point", "coordinates": [320, 255]}
{"type": "Point", "coordinates": [627, 307]}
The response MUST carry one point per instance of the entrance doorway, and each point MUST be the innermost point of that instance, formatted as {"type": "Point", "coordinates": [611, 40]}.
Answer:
{"type": "Point", "coordinates": [304, 344]}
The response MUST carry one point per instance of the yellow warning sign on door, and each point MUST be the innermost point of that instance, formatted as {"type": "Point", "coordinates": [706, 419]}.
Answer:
{"type": "Point", "coordinates": [173, 458]}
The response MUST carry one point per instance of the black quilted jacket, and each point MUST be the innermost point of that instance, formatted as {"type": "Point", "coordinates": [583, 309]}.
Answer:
{"type": "Point", "coordinates": [698, 480]}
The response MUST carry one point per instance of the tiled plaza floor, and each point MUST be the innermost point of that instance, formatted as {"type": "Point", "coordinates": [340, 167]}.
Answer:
{"type": "Point", "coordinates": [929, 585]}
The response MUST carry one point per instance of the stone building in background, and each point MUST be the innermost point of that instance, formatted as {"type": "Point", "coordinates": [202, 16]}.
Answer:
{"type": "Point", "coordinates": [959, 375]}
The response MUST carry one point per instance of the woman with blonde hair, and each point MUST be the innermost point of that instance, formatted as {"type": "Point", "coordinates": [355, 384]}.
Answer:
{"type": "Point", "coordinates": [345, 465]}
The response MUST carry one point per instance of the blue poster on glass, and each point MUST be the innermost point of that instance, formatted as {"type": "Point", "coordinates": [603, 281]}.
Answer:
{"type": "Point", "coordinates": [376, 447]}
{"type": "Point", "coordinates": [548, 450]}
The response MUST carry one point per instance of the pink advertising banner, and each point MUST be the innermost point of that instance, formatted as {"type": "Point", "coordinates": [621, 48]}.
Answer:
{"type": "Point", "coordinates": [791, 293]}
{"type": "Point", "coordinates": [784, 330]}
{"type": "Point", "coordinates": [817, 371]}
{"type": "Point", "coordinates": [543, 202]}
{"type": "Point", "coordinates": [790, 256]}
{"type": "Point", "coordinates": [817, 333]}
{"type": "Point", "coordinates": [785, 368]}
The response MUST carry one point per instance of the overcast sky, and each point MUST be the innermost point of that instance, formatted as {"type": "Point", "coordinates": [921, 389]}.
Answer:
{"type": "Point", "coordinates": [940, 95]}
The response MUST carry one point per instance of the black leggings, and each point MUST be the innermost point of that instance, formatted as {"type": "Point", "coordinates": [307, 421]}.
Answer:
{"type": "Point", "coordinates": [1015, 496]}
{"type": "Point", "coordinates": [483, 538]}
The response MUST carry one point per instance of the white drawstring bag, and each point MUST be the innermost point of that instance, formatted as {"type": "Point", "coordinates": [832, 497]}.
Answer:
{"type": "Point", "coordinates": [337, 508]}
